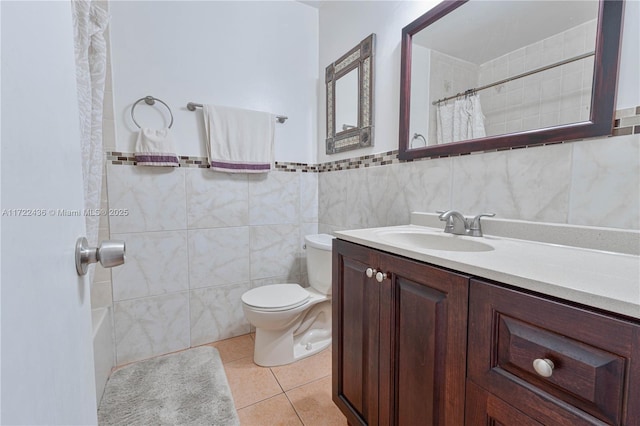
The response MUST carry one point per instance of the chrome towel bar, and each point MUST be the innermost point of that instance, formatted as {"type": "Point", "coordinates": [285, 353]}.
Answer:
{"type": "Point", "coordinates": [191, 106]}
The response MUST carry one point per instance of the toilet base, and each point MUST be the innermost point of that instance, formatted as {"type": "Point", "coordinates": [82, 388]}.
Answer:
{"type": "Point", "coordinates": [276, 349]}
{"type": "Point", "coordinates": [308, 336]}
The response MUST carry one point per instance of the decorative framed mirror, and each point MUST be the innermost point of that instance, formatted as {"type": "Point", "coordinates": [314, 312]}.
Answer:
{"type": "Point", "coordinates": [349, 84]}
{"type": "Point", "coordinates": [481, 76]}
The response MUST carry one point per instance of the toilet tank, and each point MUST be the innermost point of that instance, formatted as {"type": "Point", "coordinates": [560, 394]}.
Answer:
{"type": "Point", "coordinates": [319, 261]}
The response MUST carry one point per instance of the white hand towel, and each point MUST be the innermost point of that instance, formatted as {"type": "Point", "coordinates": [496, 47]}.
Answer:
{"type": "Point", "coordinates": [155, 147]}
{"type": "Point", "coordinates": [239, 141]}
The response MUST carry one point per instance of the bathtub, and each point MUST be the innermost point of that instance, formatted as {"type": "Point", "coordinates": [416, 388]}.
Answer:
{"type": "Point", "coordinates": [103, 351]}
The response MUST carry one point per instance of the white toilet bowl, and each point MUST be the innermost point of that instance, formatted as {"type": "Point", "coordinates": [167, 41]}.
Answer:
{"type": "Point", "coordinates": [293, 322]}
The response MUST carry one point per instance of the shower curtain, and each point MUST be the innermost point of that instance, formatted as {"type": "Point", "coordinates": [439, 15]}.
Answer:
{"type": "Point", "coordinates": [460, 120]}
{"type": "Point", "coordinates": [90, 22]}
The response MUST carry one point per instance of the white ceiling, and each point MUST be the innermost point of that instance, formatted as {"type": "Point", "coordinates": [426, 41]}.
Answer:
{"type": "Point", "coordinates": [482, 30]}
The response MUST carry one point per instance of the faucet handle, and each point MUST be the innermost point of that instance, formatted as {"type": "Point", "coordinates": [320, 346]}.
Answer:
{"type": "Point", "coordinates": [475, 229]}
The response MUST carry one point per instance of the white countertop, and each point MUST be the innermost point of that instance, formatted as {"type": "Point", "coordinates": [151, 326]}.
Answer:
{"type": "Point", "coordinates": [607, 280]}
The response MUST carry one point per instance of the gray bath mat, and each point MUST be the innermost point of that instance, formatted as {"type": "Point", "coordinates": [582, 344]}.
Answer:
{"type": "Point", "coordinates": [185, 388]}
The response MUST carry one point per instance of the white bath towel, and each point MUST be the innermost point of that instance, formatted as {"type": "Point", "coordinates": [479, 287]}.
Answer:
{"type": "Point", "coordinates": [239, 141]}
{"type": "Point", "coordinates": [155, 147]}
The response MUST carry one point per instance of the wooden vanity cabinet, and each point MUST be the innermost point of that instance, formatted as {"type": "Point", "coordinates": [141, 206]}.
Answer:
{"type": "Point", "coordinates": [423, 345]}
{"type": "Point", "coordinates": [595, 359]}
{"type": "Point", "coordinates": [399, 354]}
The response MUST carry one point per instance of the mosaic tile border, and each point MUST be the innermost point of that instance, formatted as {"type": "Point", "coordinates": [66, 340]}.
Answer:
{"type": "Point", "coordinates": [627, 122]}
{"type": "Point", "coordinates": [128, 159]}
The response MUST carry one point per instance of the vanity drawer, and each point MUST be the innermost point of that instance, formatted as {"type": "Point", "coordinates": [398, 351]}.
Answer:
{"type": "Point", "coordinates": [594, 374]}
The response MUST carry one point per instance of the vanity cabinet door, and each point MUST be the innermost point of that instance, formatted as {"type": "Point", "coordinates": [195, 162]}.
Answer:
{"type": "Point", "coordinates": [399, 339]}
{"type": "Point", "coordinates": [426, 366]}
{"type": "Point", "coordinates": [356, 330]}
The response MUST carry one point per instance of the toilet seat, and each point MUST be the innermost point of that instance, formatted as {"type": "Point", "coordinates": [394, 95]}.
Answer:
{"type": "Point", "coordinates": [276, 297]}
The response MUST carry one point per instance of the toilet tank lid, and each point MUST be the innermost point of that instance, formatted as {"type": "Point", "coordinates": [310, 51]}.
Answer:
{"type": "Point", "coordinates": [319, 241]}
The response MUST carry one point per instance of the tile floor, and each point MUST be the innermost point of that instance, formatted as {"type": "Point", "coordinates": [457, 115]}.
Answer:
{"type": "Point", "coordinates": [294, 394]}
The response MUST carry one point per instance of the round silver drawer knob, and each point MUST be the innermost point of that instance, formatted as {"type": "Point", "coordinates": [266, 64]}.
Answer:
{"type": "Point", "coordinates": [381, 277]}
{"type": "Point", "coordinates": [370, 272]}
{"type": "Point", "coordinates": [543, 367]}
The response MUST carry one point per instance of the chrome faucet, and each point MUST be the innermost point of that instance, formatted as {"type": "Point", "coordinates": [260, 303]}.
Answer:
{"type": "Point", "coordinates": [457, 224]}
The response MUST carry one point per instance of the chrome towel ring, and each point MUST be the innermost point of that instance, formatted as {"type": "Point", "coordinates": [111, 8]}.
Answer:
{"type": "Point", "coordinates": [417, 136]}
{"type": "Point", "coordinates": [149, 100]}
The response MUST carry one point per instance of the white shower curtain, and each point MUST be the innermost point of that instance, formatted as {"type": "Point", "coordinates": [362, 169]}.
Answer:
{"type": "Point", "coordinates": [460, 120]}
{"type": "Point", "coordinates": [90, 22]}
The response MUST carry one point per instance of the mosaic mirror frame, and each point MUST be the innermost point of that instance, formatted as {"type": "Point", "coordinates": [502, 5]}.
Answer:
{"type": "Point", "coordinates": [359, 136]}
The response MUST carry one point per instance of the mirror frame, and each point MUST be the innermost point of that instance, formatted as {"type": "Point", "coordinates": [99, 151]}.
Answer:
{"type": "Point", "coordinates": [361, 57]}
{"type": "Point", "coordinates": [605, 78]}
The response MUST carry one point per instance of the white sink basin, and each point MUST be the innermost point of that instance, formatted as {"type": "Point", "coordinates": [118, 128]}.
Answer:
{"type": "Point", "coordinates": [426, 240]}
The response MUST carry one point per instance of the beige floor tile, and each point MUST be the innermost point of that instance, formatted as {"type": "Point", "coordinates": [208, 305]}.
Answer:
{"type": "Point", "coordinates": [250, 383]}
{"type": "Point", "coordinates": [234, 348]}
{"type": "Point", "coordinates": [304, 371]}
{"type": "Point", "coordinates": [273, 411]}
{"type": "Point", "coordinates": [313, 404]}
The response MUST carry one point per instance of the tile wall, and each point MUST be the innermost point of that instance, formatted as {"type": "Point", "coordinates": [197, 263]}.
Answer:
{"type": "Point", "coordinates": [196, 240]}
{"type": "Point", "coordinates": [591, 183]}
{"type": "Point", "coordinates": [559, 95]}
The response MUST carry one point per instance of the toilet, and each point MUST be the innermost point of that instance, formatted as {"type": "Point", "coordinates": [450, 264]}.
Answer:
{"type": "Point", "coordinates": [293, 322]}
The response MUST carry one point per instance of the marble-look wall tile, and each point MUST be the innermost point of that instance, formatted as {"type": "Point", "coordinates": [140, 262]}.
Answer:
{"type": "Point", "coordinates": [275, 251]}
{"type": "Point", "coordinates": [305, 229]}
{"type": "Point", "coordinates": [365, 192]}
{"type": "Point", "coordinates": [216, 313]}
{"type": "Point", "coordinates": [385, 196]}
{"type": "Point", "coordinates": [218, 256]}
{"type": "Point", "coordinates": [332, 194]}
{"type": "Point", "coordinates": [405, 188]}
{"type": "Point", "coordinates": [274, 198]}
{"type": "Point", "coordinates": [426, 185]}
{"type": "Point", "coordinates": [605, 188]}
{"type": "Point", "coordinates": [151, 326]}
{"type": "Point", "coordinates": [154, 197]}
{"type": "Point", "coordinates": [528, 184]}
{"type": "Point", "coordinates": [216, 199]}
{"type": "Point", "coordinates": [309, 197]}
{"type": "Point", "coordinates": [101, 274]}
{"type": "Point", "coordinates": [292, 279]}
{"type": "Point", "coordinates": [101, 294]}
{"type": "Point", "coordinates": [156, 264]}
{"type": "Point", "coordinates": [324, 228]}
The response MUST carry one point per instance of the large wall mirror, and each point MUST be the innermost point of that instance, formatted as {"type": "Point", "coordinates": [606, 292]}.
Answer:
{"type": "Point", "coordinates": [349, 83]}
{"type": "Point", "coordinates": [484, 75]}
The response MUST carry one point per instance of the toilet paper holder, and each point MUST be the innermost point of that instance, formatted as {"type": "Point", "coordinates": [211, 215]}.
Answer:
{"type": "Point", "coordinates": [109, 253]}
